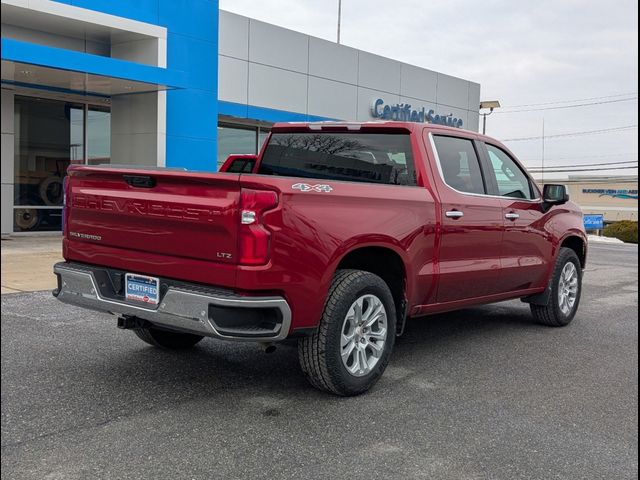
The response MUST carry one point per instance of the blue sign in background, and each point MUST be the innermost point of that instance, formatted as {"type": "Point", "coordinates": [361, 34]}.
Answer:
{"type": "Point", "coordinates": [594, 222]}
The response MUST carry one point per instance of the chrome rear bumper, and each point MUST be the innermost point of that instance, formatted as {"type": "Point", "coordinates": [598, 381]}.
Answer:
{"type": "Point", "coordinates": [186, 308]}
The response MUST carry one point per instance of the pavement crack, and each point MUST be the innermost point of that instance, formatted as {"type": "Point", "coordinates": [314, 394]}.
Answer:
{"type": "Point", "coordinates": [39, 437]}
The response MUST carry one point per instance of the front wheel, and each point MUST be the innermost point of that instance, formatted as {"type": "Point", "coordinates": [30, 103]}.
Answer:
{"type": "Point", "coordinates": [566, 291]}
{"type": "Point", "coordinates": [353, 344]}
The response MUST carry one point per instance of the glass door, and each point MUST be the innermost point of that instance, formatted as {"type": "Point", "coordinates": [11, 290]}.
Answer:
{"type": "Point", "coordinates": [49, 136]}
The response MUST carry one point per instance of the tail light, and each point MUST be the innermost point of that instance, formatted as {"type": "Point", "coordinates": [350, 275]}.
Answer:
{"type": "Point", "coordinates": [254, 239]}
{"type": "Point", "coordinates": [65, 209]}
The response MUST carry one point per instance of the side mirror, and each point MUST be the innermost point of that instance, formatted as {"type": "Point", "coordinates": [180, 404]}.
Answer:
{"type": "Point", "coordinates": [554, 194]}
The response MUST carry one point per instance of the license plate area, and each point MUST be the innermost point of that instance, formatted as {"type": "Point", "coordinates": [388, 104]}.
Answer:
{"type": "Point", "coordinates": [142, 289]}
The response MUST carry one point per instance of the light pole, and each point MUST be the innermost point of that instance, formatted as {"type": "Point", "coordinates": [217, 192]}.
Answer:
{"type": "Point", "coordinates": [339, 18]}
{"type": "Point", "coordinates": [490, 105]}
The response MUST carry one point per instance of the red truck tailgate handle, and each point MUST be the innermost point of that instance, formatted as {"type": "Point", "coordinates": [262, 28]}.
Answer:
{"type": "Point", "coordinates": [140, 181]}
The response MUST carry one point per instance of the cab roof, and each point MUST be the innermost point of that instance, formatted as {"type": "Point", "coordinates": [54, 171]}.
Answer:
{"type": "Point", "coordinates": [338, 126]}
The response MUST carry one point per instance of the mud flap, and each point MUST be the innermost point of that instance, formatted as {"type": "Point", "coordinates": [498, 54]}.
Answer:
{"type": "Point", "coordinates": [401, 316]}
{"type": "Point", "coordinates": [541, 299]}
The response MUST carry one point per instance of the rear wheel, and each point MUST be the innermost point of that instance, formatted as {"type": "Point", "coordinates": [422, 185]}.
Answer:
{"type": "Point", "coordinates": [566, 290]}
{"type": "Point", "coordinates": [353, 344]}
{"type": "Point", "coordinates": [166, 339]}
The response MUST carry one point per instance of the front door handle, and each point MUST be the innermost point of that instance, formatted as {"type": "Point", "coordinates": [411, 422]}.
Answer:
{"type": "Point", "coordinates": [512, 216]}
{"type": "Point", "coordinates": [454, 214]}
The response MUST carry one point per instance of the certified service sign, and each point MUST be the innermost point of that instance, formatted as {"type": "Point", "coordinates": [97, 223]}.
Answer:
{"type": "Point", "coordinates": [404, 112]}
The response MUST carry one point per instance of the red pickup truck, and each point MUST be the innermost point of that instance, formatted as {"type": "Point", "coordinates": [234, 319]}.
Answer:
{"type": "Point", "coordinates": [336, 234]}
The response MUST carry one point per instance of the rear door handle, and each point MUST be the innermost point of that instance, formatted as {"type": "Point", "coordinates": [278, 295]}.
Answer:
{"type": "Point", "coordinates": [511, 216]}
{"type": "Point", "coordinates": [454, 214]}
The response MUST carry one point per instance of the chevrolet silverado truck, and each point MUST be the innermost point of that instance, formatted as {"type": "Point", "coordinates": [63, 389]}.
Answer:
{"type": "Point", "coordinates": [336, 234]}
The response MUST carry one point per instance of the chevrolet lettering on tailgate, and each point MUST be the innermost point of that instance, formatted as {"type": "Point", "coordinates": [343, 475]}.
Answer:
{"type": "Point", "coordinates": [141, 207]}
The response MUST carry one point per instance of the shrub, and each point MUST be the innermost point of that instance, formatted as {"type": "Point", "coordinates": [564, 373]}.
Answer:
{"type": "Point", "coordinates": [626, 230]}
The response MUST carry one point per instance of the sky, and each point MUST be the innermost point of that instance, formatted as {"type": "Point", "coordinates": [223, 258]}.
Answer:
{"type": "Point", "coordinates": [522, 53]}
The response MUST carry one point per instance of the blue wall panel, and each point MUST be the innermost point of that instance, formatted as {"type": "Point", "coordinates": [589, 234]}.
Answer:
{"type": "Point", "coordinates": [182, 107]}
{"type": "Point", "coordinates": [187, 148]}
{"type": "Point", "coordinates": [192, 113]}
{"type": "Point", "coordinates": [192, 18]}
{"type": "Point", "coordinates": [196, 58]}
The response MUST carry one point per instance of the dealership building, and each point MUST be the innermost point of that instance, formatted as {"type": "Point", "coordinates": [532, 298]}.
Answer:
{"type": "Point", "coordinates": [615, 198]}
{"type": "Point", "coordinates": [178, 83]}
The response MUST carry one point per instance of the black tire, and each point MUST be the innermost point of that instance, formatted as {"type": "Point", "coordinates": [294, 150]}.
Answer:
{"type": "Point", "coordinates": [552, 314]}
{"type": "Point", "coordinates": [167, 339]}
{"type": "Point", "coordinates": [27, 219]}
{"type": "Point", "coordinates": [320, 354]}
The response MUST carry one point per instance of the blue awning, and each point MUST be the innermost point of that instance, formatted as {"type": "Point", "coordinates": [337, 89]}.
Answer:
{"type": "Point", "coordinates": [39, 66]}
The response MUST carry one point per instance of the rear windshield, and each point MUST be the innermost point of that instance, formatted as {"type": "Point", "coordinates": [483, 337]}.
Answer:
{"type": "Point", "coordinates": [357, 157]}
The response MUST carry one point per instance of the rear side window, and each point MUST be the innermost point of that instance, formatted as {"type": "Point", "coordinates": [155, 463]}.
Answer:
{"type": "Point", "coordinates": [357, 157]}
{"type": "Point", "coordinates": [459, 164]}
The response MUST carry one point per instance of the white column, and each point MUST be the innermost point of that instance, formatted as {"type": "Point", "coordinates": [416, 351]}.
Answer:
{"type": "Point", "coordinates": [138, 121]}
{"type": "Point", "coordinates": [8, 161]}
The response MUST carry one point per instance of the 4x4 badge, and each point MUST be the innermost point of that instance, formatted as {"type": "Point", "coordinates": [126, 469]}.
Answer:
{"type": "Point", "coordinates": [305, 187]}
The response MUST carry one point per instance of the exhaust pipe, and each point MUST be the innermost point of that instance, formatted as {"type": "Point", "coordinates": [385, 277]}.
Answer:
{"type": "Point", "coordinates": [268, 347]}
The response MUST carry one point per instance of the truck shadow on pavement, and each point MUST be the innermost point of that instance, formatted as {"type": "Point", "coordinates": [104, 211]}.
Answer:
{"type": "Point", "coordinates": [216, 368]}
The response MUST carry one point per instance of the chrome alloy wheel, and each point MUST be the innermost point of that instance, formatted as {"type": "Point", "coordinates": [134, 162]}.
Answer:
{"type": "Point", "coordinates": [568, 288]}
{"type": "Point", "coordinates": [363, 335]}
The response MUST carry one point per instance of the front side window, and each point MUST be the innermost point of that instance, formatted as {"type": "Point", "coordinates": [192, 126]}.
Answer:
{"type": "Point", "coordinates": [358, 157]}
{"type": "Point", "coordinates": [511, 180]}
{"type": "Point", "coordinates": [459, 164]}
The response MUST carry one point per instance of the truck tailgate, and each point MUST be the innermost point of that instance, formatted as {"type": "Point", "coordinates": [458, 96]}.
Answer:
{"type": "Point", "coordinates": [164, 215]}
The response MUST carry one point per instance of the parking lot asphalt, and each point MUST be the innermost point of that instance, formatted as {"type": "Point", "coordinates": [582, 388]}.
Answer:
{"type": "Point", "coordinates": [479, 394]}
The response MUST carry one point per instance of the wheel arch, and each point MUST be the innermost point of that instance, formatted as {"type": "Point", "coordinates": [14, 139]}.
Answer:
{"type": "Point", "coordinates": [386, 262]}
{"type": "Point", "coordinates": [577, 243]}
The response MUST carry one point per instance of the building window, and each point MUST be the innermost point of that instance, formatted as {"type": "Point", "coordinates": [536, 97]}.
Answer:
{"type": "Point", "coordinates": [98, 135]}
{"type": "Point", "coordinates": [234, 140]}
{"type": "Point", "coordinates": [49, 136]}
{"type": "Point", "coordinates": [238, 140]}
